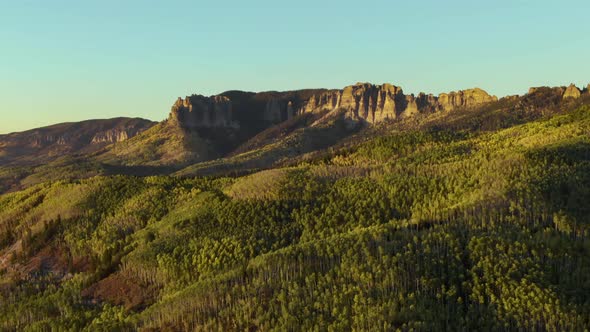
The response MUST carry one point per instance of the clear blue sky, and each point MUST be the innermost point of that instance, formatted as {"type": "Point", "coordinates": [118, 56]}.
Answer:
{"type": "Point", "coordinates": [74, 60]}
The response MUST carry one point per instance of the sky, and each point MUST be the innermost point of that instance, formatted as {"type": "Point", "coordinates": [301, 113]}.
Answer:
{"type": "Point", "coordinates": [73, 60]}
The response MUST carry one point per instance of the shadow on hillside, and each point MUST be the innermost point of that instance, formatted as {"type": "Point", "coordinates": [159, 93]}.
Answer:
{"type": "Point", "coordinates": [291, 145]}
{"type": "Point", "coordinates": [139, 170]}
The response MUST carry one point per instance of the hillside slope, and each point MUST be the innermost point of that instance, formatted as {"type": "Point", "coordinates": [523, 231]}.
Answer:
{"type": "Point", "coordinates": [44, 144]}
{"type": "Point", "coordinates": [464, 220]}
{"type": "Point", "coordinates": [238, 132]}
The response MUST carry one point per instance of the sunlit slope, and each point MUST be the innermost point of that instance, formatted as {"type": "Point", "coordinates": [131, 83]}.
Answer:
{"type": "Point", "coordinates": [427, 229]}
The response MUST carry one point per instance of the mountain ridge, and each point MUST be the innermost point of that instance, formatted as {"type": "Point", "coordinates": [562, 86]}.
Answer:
{"type": "Point", "coordinates": [68, 138]}
{"type": "Point", "coordinates": [237, 131]}
{"type": "Point", "coordinates": [416, 221]}
{"type": "Point", "coordinates": [364, 102]}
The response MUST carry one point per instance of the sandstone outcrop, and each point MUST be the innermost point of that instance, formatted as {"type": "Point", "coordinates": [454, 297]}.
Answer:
{"type": "Point", "coordinates": [324, 101]}
{"type": "Point", "coordinates": [465, 98]}
{"type": "Point", "coordinates": [277, 110]}
{"type": "Point", "coordinates": [411, 107]}
{"type": "Point", "coordinates": [272, 111]}
{"type": "Point", "coordinates": [120, 133]}
{"type": "Point", "coordinates": [362, 102]}
{"type": "Point", "coordinates": [375, 103]}
{"type": "Point", "coordinates": [198, 111]}
{"type": "Point", "coordinates": [38, 140]}
{"type": "Point", "coordinates": [111, 136]}
{"type": "Point", "coordinates": [572, 91]}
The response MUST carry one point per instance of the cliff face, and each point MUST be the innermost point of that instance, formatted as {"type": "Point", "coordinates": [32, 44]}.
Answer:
{"type": "Point", "coordinates": [572, 92]}
{"type": "Point", "coordinates": [41, 140]}
{"type": "Point", "coordinates": [362, 102]}
{"type": "Point", "coordinates": [465, 98]}
{"type": "Point", "coordinates": [375, 103]}
{"type": "Point", "coordinates": [198, 111]}
{"type": "Point", "coordinates": [113, 136]}
{"type": "Point", "coordinates": [277, 110]}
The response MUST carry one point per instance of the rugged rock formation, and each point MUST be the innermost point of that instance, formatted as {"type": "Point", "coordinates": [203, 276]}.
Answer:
{"type": "Point", "coordinates": [557, 90]}
{"type": "Point", "coordinates": [198, 111]}
{"type": "Point", "coordinates": [362, 102]}
{"type": "Point", "coordinates": [411, 107]}
{"type": "Point", "coordinates": [466, 98]}
{"type": "Point", "coordinates": [572, 92]}
{"type": "Point", "coordinates": [118, 134]}
{"type": "Point", "coordinates": [38, 140]}
{"type": "Point", "coordinates": [112, 136]}
{"type": "Point", "coordinates": [277, 110]}
{"type": "Point", "coordinates": [375, 103]}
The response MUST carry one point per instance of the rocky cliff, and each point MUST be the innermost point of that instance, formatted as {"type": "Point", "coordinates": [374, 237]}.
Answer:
{"type": "Point", "coordinates": [198, 111]}
{"type": "Point", "coordinates": [569, 92]}
{"type": "Point", "coordinates": [375, 103]}
{"type": "Point", "coordinates": [572, 91]}
{"type": "Point", "coordinates": [362, 102]}
{"type": "Point", "coordinates": [39, 140]}
{"type": "Point", "coordinates": [277, 110]}
{"type": "Point", "coordinates": [113, 135]}
{"type": "Point", "coordinates": [465, 98]}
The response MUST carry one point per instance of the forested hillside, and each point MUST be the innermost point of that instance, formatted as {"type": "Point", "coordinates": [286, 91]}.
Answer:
{"type": "Point", "coordinates": [469, 221]}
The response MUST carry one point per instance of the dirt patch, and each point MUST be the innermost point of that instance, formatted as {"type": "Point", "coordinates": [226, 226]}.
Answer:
{"type": "Point", "coordinates": [48, 260]}
{"type": "Point", "coordinates": [121, 289]}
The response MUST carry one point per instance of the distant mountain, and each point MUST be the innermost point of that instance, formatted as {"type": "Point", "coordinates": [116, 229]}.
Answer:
{"type": "Point", "coordinates": [48, 143]}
